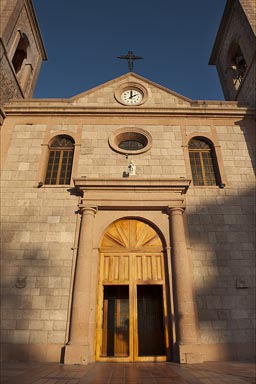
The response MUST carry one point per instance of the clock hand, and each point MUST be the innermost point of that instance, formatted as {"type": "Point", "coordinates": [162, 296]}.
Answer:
{"type": "Point", "coordinates": [130, 95]}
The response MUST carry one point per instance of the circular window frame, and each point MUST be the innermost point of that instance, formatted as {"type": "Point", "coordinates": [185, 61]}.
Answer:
{"type": "Point", "coordinates": [129, 133]}
{"type": "Point", "coordinates": [133, 85]}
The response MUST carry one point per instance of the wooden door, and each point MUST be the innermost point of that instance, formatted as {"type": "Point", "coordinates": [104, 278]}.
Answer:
{"type": "Point", "coordinates": [131, 296]}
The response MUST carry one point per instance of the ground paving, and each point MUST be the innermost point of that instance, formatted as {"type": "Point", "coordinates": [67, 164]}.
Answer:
{"type": "Point", "coordinates": [128, 373]}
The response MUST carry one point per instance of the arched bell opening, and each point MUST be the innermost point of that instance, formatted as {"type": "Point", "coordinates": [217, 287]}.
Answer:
{"type": "Point", "coordinates": [21, 53]}
{"type": "Point", "coordinates": [132, 316]}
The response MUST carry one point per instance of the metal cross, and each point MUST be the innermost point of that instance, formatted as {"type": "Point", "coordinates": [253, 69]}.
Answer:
{"type": "Point", "coordinates": [130, 57]}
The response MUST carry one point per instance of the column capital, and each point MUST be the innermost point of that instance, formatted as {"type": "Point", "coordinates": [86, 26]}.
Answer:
{"type": "Point", "coordinates": [87, 210]}
{"type": "Point", "coordinates": [175, 210]}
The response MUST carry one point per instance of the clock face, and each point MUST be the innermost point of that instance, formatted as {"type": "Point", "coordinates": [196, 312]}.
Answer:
{"type": "Point", "coordinates": [131, 96]}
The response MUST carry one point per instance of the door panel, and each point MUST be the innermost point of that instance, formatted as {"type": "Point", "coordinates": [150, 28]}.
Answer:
{"type": "Point", "coordinates": [150, 320]}
{"type": "Point", "coordinates": [115, 332]}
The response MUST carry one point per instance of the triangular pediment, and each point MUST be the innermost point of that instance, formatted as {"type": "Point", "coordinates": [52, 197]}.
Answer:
{"type": "Point", "coordinates": [106, 95]}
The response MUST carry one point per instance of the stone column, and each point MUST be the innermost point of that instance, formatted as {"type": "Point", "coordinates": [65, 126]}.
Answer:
{"type": "Point", "coordinates": [81, 341]}
{"type": "Point", "coordinates": [185, 313]}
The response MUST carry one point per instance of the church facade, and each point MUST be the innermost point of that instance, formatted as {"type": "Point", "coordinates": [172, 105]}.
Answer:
{"type": "Point", "coordinates": [128, 230]}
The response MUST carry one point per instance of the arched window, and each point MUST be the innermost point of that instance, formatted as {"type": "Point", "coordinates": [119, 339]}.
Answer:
{"type": "Point", "coordinates": [21, 53]}
{"type": "Point", "coordinates": [203, 162]}
{"type": "Point", "coordinates": [60, 160]}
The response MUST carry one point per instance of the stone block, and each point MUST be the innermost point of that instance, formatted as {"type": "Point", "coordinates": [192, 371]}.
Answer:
{"type": "Point", "coordinates": [37, 337]}
{"type": "Point", "coordinates": [22, 324]}
{"type": "Point", "coordinates": [36, 325]}
{"type": "Point", "coordinates": [53, 236]}
{"type": "Point", "coordinates": [27, 302]}
{"type": "Point", "coordinates": [53, 219]}
{"type": "Point", "coordinates": [56, 337]}
{"type": "Point", "coordinates": [21, 336]}
{"type": "Point", "coordinates": [67, 237]}
{"type": "Point", "coordinates": [220, 324]}
{"type": "Point", "coordinates": [239, 314]}
{"type": "Point", "coordinates": [229, 302]}
{"type": "Point", "coordinates": [59, 325]}
{"type": "Point", "coordinates": [213, 302]}
{"type": "Point", "coordinates": [58, 315]}
{"type": "Point", "coordinates": [39, 302]}
{"type": "Point", "coordinates": [9, 324]}
{"type": "Point", "coordinates": [53, 302]}
{"type": "Point", "coordinates": [55, 282]}
{"type": "Point", "coordinates": [76, 354]}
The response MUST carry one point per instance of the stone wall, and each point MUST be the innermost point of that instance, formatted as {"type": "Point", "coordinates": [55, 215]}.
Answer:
{"type": "Point", "coordinates": [249, 8]}
{"type": "Point", "coordinates": [8, 81]}
{"type": "Point", "coordinates": [40, 225]}
{"type": "Point", "coordinates": [9, 12]}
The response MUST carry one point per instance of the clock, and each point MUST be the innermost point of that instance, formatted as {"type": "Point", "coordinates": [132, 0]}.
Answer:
{"type": "Point", "coordinates": [131, 96]}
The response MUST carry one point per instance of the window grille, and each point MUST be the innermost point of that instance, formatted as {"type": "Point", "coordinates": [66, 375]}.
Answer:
{"type": "Point", "coordinates": [131, 145]}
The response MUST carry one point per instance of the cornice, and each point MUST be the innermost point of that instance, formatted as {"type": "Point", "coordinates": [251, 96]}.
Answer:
{"type": "Point", "coordinates": [53, 108]}
{"type": "Point", "coordinates": [132, 193]}
{"type": "Point", "coordinates": [133, 183]}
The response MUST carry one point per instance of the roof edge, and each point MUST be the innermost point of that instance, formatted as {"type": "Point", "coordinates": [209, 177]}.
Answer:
{"type": "Point", "coordinates": [220, 34]}
{"type": "Point", "coordinates": [33, 15]}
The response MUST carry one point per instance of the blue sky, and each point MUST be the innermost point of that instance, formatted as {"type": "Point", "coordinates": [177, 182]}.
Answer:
{"type": "Point", "coordinates": [83, 38]}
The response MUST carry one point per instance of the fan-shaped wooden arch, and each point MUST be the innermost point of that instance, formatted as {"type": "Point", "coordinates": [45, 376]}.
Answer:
{"type": "Point", "coordinates": [131, 234]}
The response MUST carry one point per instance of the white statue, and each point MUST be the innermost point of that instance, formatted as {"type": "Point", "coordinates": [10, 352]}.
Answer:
{"type": "Point", "coordinates": [132, 168]}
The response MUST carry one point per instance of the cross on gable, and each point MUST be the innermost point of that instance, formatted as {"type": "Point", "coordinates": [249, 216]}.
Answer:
{"type": "Point", "coordinates": [130, 57]}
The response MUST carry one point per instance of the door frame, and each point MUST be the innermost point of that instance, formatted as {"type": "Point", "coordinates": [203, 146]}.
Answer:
{"type": "Point", "coordinates": [133, 313]}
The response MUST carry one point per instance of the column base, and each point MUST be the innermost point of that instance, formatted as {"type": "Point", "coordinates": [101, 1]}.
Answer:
{"type": "Point", "coordinates": [190, 353]}
{"type": "Point", "coordinates": [76, 354]}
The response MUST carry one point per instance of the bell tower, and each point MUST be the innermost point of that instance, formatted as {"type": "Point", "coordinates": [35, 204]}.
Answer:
{"type": "Point", "coordinates": [21, 47]}
{"type": "Point", "coordinates": [234, 51]}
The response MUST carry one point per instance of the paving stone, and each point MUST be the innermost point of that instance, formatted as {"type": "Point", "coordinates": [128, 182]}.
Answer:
{"type": "Point", "coordinates": [128, 373]}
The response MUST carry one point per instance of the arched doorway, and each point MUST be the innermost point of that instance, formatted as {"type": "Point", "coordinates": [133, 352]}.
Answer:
{"type": "Point", "coordinates": [132, 315]}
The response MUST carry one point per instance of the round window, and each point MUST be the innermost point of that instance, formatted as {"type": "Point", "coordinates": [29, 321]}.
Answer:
{"type": "Point", "coordinates": [130, 141]}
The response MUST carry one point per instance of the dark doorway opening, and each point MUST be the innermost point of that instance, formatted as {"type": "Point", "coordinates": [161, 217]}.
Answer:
{"type": "Point", "coordinates": [151, 339]}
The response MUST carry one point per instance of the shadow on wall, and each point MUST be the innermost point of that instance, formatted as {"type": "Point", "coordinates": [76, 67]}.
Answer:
{"type": "Point", "coordinates": [18, 289]}
{"type": "Point", "coordinates": [31, 311]}
{"type": "Point", "coordinates": [249, 133]}
{"type": "Point", "coordinates": [222, 241]}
